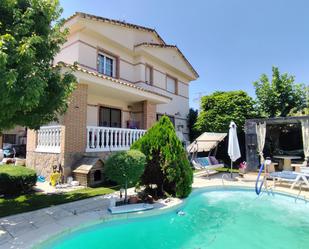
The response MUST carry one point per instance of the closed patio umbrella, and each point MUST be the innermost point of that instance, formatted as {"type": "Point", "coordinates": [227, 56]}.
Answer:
{"type": "Point", "coordinates": [233, 148]}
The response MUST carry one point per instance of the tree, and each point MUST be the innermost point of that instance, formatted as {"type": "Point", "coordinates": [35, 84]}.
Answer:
{"type": "Point", "coordinates": [167, 165]}
{"type": "Point", "coordinates": [220, 108]}
{"type": "Point", "coordinates": [280, 96]}
{"type": "Point", "coordinates": [125, 168]}
{"type": "Point", "coordinates": [32, 91]}
{"type": "Point", "coordinates": [192, 118]}
{"type": "Point", "coordinates": [305, 111]}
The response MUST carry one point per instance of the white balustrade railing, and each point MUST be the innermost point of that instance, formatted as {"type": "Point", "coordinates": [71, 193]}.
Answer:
{"type": "Point", "coordinates": [49, 139]}
{"type": "Point", "coordinates": [110, 138]}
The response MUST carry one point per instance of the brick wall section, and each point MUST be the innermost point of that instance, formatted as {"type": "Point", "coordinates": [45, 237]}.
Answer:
{"type": "Point", "coordinates": [74, 132]}
{"type": "Point", "coordinates": [31, 140]}
{"type": "Point", "coordinates": [149, 111]}
{"type": "Point", "coordinates": [73, 137]}
{"type": "Point", "coordinates": [75, 121]}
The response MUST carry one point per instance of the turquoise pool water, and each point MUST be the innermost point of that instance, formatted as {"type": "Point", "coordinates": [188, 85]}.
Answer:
{"type": "Point", "coordinates": [214, 219]}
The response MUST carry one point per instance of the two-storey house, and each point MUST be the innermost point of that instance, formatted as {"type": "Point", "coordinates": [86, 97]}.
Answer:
{"type": "Point", "coordinates": [127, 76]}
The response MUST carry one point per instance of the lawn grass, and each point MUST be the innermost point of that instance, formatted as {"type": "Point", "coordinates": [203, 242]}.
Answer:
{"type": "Point", "coordinates": [223, 169]}
{"type": "Point", "coordinates": [34, 201]}
{"type": "Point", "coordinates": [228, 170]}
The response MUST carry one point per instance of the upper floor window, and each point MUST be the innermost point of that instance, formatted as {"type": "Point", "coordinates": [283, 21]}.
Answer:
{"type": "Point", "coordinates": [171, 84]}
{"type": "Point", "coordinates": [106, 64]}
{"type": "Point", "coordinates": [148, 74]}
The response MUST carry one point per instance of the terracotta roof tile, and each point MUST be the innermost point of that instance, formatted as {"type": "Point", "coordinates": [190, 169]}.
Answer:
{"type": "Point", "coordinates": [76, 67]}
{"type": "Point", "coordinates": [147, 44]}
{"type": "Point", "coordinates": [116, 22]}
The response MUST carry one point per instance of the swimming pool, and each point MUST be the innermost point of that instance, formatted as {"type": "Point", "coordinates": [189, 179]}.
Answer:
{"type": "Point", "coordinates": [214, 218]}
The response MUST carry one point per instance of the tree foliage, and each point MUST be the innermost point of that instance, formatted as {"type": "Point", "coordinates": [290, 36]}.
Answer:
{"type": "Point", "coordinates": [125, 167]}
{"type": "Point", "coordinates": [192, 118]}
{"type": "Point", "coordinates": [32, 91]}
{"type": "Point", "coordinates": [167, 164]}
{"type": "Point", "coordinates": [220, 108]}
{"type": "Point", "coordinates": [280, 96]}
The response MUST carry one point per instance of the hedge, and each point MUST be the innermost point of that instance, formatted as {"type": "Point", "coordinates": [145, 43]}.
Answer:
{"type": "Point", "coordinates": [15, 180]}
{"type": "Point", "coordinates": [125, 168]}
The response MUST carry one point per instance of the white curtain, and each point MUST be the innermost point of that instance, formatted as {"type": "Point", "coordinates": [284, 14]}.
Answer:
{"type": "Point", "coordinates": [261, 135]}
{"type": "Point", "coordinates": [305, 132]}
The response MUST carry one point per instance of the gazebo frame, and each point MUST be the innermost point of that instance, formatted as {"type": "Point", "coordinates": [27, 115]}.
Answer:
{"type": "Point", "coordinates": [252, 156]}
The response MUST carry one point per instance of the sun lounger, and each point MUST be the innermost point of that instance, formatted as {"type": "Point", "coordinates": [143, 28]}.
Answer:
{"type": "Point", "coordinates": [291, 177]}
{"type": "Point", "coordinates": [205, 165]}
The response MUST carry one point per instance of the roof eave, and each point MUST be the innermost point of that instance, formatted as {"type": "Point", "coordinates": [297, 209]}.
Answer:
{"type": "Point", "coordinates": [115, 22]}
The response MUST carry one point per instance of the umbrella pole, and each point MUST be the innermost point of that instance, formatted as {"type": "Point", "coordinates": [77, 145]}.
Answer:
{"type": "Point", "coordinates": [231, 169]}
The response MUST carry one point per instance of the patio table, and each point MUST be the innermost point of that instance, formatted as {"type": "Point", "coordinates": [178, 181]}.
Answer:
{"type": "Point", "coordinates": [287, 161]}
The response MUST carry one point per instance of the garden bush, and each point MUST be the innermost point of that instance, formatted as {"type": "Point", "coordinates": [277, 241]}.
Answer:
{"type": "Point", "coordinates": [125, 168]}
{"type": "Point", "coordinates": [167, 164]}
{"type": "Point", "coordinates": [15, 180]}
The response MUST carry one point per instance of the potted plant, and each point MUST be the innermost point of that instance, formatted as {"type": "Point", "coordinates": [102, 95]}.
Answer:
{"type": "Point", "coordinates": [242, 168]}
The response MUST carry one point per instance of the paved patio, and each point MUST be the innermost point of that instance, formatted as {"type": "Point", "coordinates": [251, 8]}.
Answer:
{"type": "Point", "coordinates": [28, 229]}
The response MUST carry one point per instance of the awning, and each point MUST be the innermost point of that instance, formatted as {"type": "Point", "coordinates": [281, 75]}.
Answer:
{"type": "Point", "coordinates": [206, 142]}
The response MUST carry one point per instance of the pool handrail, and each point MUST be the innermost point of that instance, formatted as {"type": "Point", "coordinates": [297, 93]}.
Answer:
{"type": "Point", "coordinates": [257, 187]}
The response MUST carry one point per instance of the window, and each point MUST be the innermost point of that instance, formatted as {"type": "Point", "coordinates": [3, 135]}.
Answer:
{"type": "Point", "coordinates": [9, 138]}
{"type": "Point", "coordinates": [109, 117]}
{"type": "Point", "coordinates": [148, 74]}
{"type": "Point", "coordinates": [106, 65]}
{"type": "Point", "coordinates": [171, 84]}
{"type": "Point", "coordinates": [170, 117]}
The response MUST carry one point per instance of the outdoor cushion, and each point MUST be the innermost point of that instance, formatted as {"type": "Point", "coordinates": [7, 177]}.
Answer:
{"type": "Point", "coordinates": [213, 160]}
{"type": "Point", "coordinates": [284, 174]}
{"type": "Point", "coordinates": [199, 161]}
{"type": "Point", "coordinates": [204, 161]}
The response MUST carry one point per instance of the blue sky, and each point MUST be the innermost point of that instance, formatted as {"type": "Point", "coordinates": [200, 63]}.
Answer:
{"type": "Point", "coordinates": [229, 42]}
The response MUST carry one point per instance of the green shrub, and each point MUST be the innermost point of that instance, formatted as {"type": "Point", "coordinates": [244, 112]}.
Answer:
{"type": "Point", "coordinates": [167, 164]}
{"type": "Point", "coordinates": [125, 168]}
{"type": "Point", "coordinates": [15, 180]}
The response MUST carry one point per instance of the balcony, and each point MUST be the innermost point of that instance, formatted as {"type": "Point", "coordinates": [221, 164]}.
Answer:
{"type": "Point", "coordinates": [101, 139]}
{"type": "Point", "coordinates": [49, 139]}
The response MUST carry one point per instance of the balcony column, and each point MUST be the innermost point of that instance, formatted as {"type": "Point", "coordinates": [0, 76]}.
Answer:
{"type": "Point", "coordinates": [75, 128]}
{"type": "Point", "coordinates": [31, 140]}
{"type": "Point", "coordinates": [149, 110]}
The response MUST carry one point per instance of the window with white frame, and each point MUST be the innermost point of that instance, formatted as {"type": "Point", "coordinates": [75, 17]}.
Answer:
{"type": "Point", "coordinates": [148, 74]}
{"type": "Point", "coordinates": [171, 84]}
{"type": "Point", "coordinates": [106, 65]}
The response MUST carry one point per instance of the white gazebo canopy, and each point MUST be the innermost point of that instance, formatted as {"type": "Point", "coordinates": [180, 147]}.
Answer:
{"type": "Point", "coordinates": [206, 142]}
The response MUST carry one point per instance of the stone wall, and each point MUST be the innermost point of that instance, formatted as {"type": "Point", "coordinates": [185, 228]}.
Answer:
{"type": "Point", "coordinates": [43, 163]}
{"type": "Point", "coordinates": [102, 155]}
{"type": "Point", "coordinates": [70, 160]}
